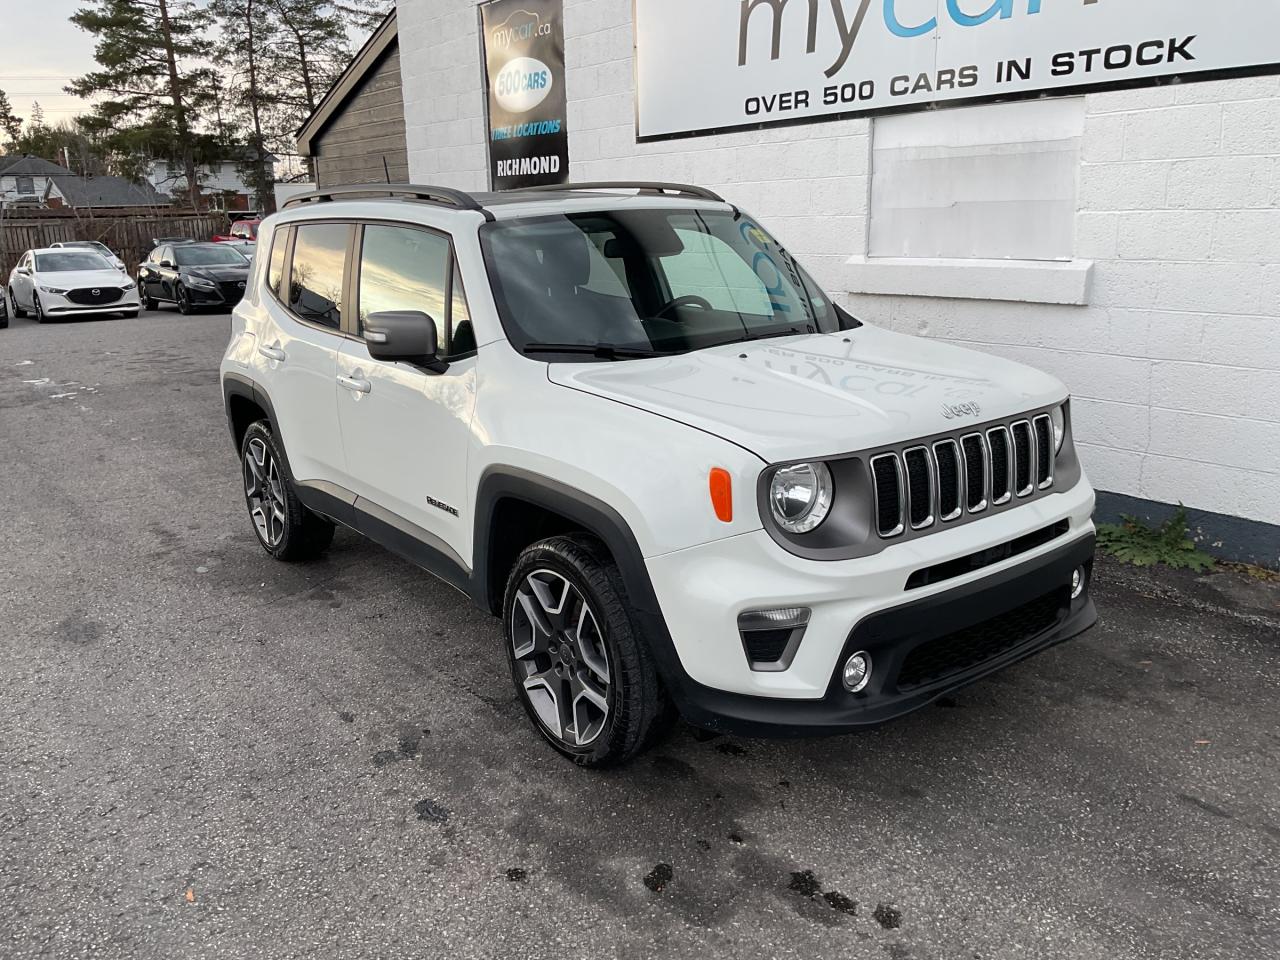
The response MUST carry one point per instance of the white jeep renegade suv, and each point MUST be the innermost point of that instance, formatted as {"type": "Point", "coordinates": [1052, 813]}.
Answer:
{"type": "Point", "coordinates": [623, 418]}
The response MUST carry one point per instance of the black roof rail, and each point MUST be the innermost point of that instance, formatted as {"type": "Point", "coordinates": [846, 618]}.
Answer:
{"type": "Point", "coordinates": [644, 186]}
{"type": "Point", "coordinates": [445, 196]}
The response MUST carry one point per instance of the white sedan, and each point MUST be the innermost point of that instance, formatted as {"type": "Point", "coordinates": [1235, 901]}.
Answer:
{"type": "Point", "coordinates": [70, 283]}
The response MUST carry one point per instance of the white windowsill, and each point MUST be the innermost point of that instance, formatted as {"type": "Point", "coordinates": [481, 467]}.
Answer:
{"type": "Point", "coordinates": [1027, 281]}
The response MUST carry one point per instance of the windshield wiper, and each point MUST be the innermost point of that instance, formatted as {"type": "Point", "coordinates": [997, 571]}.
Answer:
{"type": "Point", "coordinates": [604, 351]}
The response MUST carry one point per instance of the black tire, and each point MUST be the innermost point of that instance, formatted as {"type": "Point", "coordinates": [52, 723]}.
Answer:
{"type": "Point", "coordinates": [640, 712]}
{"type": "Point", "coordinates": [13, 302]}
{"type": "Point", "coordinates": [184, 301]}
{"type": "Point", "coordinates": [303, 535]}
{"type": "Point", "coordinates": [147, 301]}
{"type": "Point", "coordinates": [39, 311]}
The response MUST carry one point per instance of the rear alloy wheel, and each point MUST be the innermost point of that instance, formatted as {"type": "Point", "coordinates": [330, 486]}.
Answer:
{"type": "Point", "coordinates": [184, 301]}
{"type": "Point", "coordinates": [286, 529]}
{"type": "Point", "coordinates": [581, 669]}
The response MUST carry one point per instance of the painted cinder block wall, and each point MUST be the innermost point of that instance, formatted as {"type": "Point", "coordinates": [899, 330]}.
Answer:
{"type": "Point", "coordinates": [1174, 363]}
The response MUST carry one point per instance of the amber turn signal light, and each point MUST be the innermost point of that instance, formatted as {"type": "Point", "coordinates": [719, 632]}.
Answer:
{"type": "Point", "coordinates": [722, 493]}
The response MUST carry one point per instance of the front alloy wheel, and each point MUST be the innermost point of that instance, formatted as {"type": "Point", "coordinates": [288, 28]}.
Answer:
{"type": "Point", "coordinates": [264, 491]}
{"type": "Point", "coordinates": [557, 645]}
{"type": "Point", "coordinates": [184, 301]}
{"type": "Point", "coordinates": [582, 670]}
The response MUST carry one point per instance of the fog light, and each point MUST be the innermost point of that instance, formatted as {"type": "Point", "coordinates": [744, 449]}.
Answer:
{"type": "Point", "coordinates": [1077, 582]}
{"type": "Point", "coordinates": [857, 671]}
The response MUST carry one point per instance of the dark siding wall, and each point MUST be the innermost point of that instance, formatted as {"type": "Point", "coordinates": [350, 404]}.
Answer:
{"type": "Point", "coordinates": [368, 127]}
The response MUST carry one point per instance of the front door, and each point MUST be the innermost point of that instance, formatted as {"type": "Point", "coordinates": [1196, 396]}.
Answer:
{"type": "Point", "coordinates": [406, 430]}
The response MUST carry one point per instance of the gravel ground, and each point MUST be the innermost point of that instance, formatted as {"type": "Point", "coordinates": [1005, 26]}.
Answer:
{"type": "Point", "coordinates": [207, 754]}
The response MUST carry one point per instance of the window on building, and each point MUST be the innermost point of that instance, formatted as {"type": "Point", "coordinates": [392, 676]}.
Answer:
{"type": "Point", "coordinates": [26, 185]}
{"type": "Point", "coordinates": [403, 268]}
{"type": "Point", "coordinates": [317, 273]}
{"type": "Point", "coordinates": [993, 182]}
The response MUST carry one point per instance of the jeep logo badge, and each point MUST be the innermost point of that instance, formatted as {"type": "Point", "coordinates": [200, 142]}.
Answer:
{"type": "Point", "coordinates": [967, 409]}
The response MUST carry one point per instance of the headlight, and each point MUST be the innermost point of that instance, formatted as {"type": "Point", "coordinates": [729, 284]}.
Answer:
{"type": "Point", "coordinates": [200, 282]}
{"type": "Point", "coordinates": [45, 289]}
{"type": "Point", "coordinates": [800, 496]}
{"type": "Point", "coordinates": [1059, 420]}
{"type": "Point", "coordinates": [127, 286]}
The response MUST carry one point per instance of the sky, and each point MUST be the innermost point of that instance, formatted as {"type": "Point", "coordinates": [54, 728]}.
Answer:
{"type": "Point", "coordinates": [51, 52]}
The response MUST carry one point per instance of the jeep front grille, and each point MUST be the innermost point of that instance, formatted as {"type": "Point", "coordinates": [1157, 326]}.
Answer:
{"type": "Point", "coordinates": [966, 474]}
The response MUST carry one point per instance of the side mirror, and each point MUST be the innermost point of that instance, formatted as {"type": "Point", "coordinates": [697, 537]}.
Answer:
{"type": "Point", "coordinates": [408, 335]}
{"type": "Point", "coordinates": [24, 272]}
{"type": "Point", "coordinates": [167, 263]}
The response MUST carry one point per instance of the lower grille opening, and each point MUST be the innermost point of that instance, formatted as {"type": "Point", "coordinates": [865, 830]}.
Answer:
{"type": "Point", "coordinates": [964, 649]}
{"type": "Point", "coordinates": [984, 558]}
{"type": "Point", "coordinates": [766, 646]}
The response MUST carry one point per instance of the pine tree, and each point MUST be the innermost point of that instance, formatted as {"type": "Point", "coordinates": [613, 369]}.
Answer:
{"type": "Point", "coordinates": [364, 15]}
{"type": "Point", "coordinates": [247, 34]}
{"type": "Point", "coordinates": [10, 123]}
{"type": "Point", "coordinates": [150, 54]}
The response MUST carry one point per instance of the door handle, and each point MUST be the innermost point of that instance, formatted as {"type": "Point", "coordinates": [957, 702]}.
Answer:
{"type": "Point", "coordinates": [271, 353]}
{"type": "Point", "coordinates": [355, 384]}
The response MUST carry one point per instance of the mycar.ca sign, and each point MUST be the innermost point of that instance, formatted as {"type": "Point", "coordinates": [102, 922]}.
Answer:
{"type": "Point", "coordinates": [524, 83]}
{"type": "Point", "coordinates": [708, 65]}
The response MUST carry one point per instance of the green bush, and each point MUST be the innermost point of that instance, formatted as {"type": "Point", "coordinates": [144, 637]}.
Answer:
{"type": "Point", "coordinates": [1132, 541]}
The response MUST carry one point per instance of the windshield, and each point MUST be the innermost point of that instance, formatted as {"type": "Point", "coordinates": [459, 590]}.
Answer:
{"type": "Point", "coordinates": [70, 260]}
{"type": "Point", "coordinates": [208, 256]}
{"type": "Point", "coordinates": [648, 280]}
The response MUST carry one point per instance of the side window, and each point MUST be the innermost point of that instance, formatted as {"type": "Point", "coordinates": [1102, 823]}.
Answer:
{"type": "Point", "coordinates": [166, 253]}
{"type": "Point", "coordinates": [403, 268]}
{"type": "Point", "coordinates": [462, 336]}
{"type": "Point", "coordinates": [275, 268]}
{"type": "Point", "coordinates": [709, 268]}
{"type": "Point", "coordinates": [316, 276]}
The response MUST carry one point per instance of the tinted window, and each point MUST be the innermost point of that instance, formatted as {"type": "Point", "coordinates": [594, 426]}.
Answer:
{"type": "Point", "coordinates": [316, 277]}
{"type": "Point", "coordinates": [275, 269]}
{"type": "Point", "coordinates": [194, 255]}
{"type": "Point", "coordinates": [404, 269]}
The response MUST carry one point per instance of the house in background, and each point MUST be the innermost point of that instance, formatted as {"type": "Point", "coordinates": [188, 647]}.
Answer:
{"type": "Point", "coordinates": [357, 133]}
{"type": "Point", "coordinates": [104, 192]}
{"type": "Point", "coordinates": [222, 185]}
{"type": "Point", "coordinates": [25, 180]}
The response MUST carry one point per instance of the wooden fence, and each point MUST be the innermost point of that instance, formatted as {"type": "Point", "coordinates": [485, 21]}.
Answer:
{"type": "Point", "coordinates": [127, 234]}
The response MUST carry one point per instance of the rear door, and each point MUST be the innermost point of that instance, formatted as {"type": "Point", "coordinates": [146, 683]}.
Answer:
{"type": "Point", "coordinates": [406, 430]}
{"type": "Point", "coordinates": [298, 344]}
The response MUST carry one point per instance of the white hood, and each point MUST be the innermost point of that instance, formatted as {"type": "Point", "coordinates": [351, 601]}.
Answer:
{"type": "Point", "coordinates": [78, 279]}
{"type": "Point", "coordinates": [815, 396]}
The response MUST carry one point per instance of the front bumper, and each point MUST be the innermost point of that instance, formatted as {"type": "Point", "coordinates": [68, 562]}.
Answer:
{"type": "Point", "coordinates": [56, 305]}
{"type": "Point", "coordinates": [223, 294]}
{"type": "Point", "coordinates": [988, 611]}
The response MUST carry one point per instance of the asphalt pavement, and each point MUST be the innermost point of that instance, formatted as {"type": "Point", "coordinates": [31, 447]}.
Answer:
{"type": "Point", "coordinates": [208, 754]}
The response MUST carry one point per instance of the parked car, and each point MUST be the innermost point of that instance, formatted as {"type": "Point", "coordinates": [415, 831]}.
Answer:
{"type": "Point", "coordinates": [161, 241]}
{"type": "Point", "coordinates": [193, 275]}
{"type": "Point", "coordinates": [631, 425]}
{"type": "Point", "coordinates": [242, 231]}
{"type": "Point", "coordinates": [53, 283]}
{"type": "Point", "coordinates": [4, 311]}
{"type": "Point", "coordinates": [96, 247]}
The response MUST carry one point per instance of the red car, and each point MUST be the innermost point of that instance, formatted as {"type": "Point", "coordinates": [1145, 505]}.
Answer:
{"type": "Point", "coordinates": [242, 231]}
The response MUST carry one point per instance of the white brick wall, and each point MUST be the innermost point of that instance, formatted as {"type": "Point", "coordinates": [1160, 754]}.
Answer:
{"type": "Point", "coordinates": [1175, 362]}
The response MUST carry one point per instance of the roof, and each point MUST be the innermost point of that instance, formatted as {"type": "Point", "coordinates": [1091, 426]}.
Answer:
{"type": "Point", "coordinates": [12, 166]}
{"type": "Point", "coordinates": [106, 191]}
{"type": "Point", "coordinates": [378, 43]}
